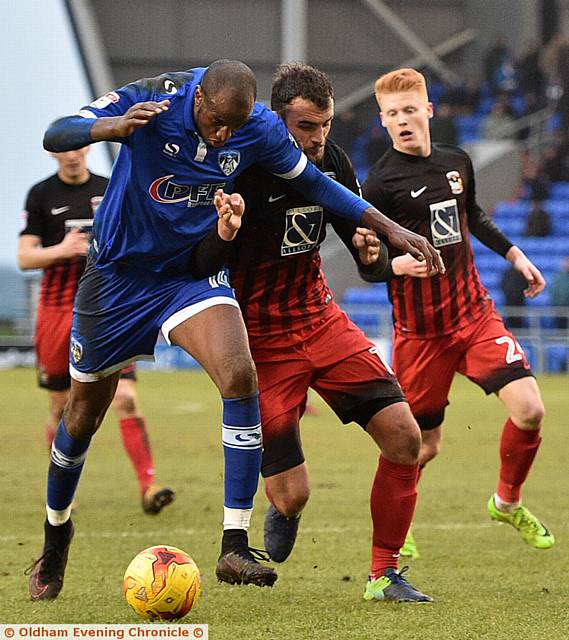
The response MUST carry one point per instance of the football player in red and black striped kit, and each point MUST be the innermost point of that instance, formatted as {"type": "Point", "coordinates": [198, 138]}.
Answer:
{"type": "Point", "coordinates": [301, 339]}
{"type": "Point", "coordinates": [59, 213]}
{"type": "Point", "coordinates": [448, 323]}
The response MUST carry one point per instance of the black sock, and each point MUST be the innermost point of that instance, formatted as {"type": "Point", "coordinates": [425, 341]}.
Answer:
{"type": "Point", "coordinates": [233, 538]}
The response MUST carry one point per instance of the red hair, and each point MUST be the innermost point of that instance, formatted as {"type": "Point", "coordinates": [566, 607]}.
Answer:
{"type": "Point", "coordinates": [400, 80]}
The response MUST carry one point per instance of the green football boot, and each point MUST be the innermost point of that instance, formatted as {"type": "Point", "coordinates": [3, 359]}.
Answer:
{"type": "Point", "coordinates": [409, 548]}
{"type": "Point", "coordinates": [393, 587]}
{"type": "Point", "coordinates": [531, 530]}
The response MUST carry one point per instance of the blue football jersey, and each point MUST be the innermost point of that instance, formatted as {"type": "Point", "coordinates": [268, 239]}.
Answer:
{"type": "Point", "coordinates": [159, 202]}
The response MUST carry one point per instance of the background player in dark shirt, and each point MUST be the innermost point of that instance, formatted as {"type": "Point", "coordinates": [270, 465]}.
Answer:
{"type": "Point", "coordinates": [300, 338]}
{"type": "Point", "coordinates": [445, 324]}
{"type": "Point", "coordinates": [59, 212]}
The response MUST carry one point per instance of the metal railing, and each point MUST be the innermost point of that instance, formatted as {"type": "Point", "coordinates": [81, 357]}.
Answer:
{"type": "Point", "coordinates": [543, 329]}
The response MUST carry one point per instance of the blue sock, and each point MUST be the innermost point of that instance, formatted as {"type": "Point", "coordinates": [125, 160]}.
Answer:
{"type": "Point", "coordinates": [67, 458]}
{"type": "Point", "coordinates": [242, 450]}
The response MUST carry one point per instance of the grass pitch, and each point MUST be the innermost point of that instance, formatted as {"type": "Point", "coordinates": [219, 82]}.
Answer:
{"type": "Point", "coordinates": [486, 582]}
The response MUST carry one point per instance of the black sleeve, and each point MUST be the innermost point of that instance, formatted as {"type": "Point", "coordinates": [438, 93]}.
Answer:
{"type": "Point", "coordinates": [346, 228]}
{"type": "Point", "coordinates": [373, 193]}
{"type": "Point", "coordinates": [479, 223]}
{"type": "Point", "coordinates": [370, 273]}
{"type": "Point", "coordinates": [208, 256]}
{"type": "Point", "coordinates": [33, 212]}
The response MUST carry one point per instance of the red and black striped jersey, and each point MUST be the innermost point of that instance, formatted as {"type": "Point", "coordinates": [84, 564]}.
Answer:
{"type": "Point", "coordinates": [274, 262]}
{"type": "Point", "coordinates": [51, 206]}
{"type": "Point", "coordinates": [435, 197]}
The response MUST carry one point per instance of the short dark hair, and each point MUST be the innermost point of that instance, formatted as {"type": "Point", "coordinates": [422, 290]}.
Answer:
{"type": "Point", "coordinates": [299, 80]}
{"type": "Point", "coordinates": [230, 75]}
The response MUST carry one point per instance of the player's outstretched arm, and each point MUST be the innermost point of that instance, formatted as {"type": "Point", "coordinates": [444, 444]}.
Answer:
{"type": "Point", "coordinates": [520, 262]}
{"type": "Point", "coordinates": [333, 196]}
{"type": "Point", "coordinates": [75, 132]}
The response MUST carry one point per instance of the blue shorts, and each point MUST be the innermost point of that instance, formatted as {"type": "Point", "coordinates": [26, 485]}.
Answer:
{"type": "Point", "coordinates": [120, 310]}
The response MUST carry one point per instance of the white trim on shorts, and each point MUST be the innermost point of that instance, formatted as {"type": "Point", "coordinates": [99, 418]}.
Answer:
{"type": "Point", "coordinates": [187, 312]}
{"type": "Point", "coordinates": [105, 373]}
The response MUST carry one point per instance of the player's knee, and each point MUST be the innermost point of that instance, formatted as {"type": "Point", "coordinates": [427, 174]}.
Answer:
{"type": "Point", "coordinates": [238, 378]}
{"type": "Point", "coordinates": [124, 403]}
{"type": "Point", "coordinates": [291, 503]}
{"type": "Point", "coordinates": [429, 451]}
{"type": "Point", "coordinates": [531, 416]}
{"type": "Point", "coordinates": [82, 418]}
{"type": "Point", "coordinates": [405, 448]}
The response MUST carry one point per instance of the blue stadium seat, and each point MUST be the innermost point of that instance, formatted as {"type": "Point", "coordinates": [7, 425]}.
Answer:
{"type": "Point", "coordinates": [489, 262]}
{"type": "Point", "coordinates": [368, 322]}
{"type": "Point", "coordinates": [468, 127]}
{"type": "Point", "coordinates": [557, 358]}
{"type": "Point", "coordinates": [485, 105]}
{"type": "Point", "coordinates": [554, 123]}
{"type": "Point", "coordinates": [560, 226]}
{"type": "Point", "coordinates": [496, 295]}
{"type": "Point", "coordinates": [557, 206]}
{"type": "Point", "coordinates": [375, 294]}
{"type": "Point", "coordinates": [559, 190]}
{"type": "Point", "coordinates": [511, 225]}
{"type": "Point", "coordinates": [542, 300]}
{"type": "Point", "coordinates": [518, 105]}
{"type": "Point", "coordinates": [530, 352]}
{"type": "Point", "coordinates": [491, 278]}
{"type": "Point", "coordinates": [516, 208]}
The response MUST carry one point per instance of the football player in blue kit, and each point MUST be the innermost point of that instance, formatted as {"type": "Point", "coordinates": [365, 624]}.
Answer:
{"type": "Point", "coordinates": [185, 137]}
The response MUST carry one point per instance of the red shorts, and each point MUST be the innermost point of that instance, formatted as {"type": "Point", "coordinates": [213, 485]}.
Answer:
{"type": "Point", "coordinates": [485, 352]}
{"type": "Point", "coordinates": [336, 360]}
{"type": "Point", "coordinates": [53, 332]}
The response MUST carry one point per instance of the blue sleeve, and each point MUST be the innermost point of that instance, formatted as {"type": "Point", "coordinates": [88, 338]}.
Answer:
{"type": "Point", "coordinates": [328, 193]}
{"type": "Point", "coordinates": [117, 103]}
{"type": "Point", "coordinates": [67, 134]}
{"type": "Point", "coordinates": [277, 151]}
{"type": "Point", "coordinates": [74, 132]}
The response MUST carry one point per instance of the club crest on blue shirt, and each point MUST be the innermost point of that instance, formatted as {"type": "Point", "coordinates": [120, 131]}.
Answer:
{"type": "Point", "coordinates": [76, 350]}
{"type": "Point", "coordinates": [228, 161]}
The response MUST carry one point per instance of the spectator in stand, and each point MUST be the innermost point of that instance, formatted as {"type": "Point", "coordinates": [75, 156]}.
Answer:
{"type": "Point", "coordinates": [549, 60]}
{"type": "Point", "coordinates": [530, 74]}
{"type": "Point", "coordinates": [505, 77]}
{"type": "Point", "coordinates": [443, 128]}
{"type": "Point", "coordinates": [513, 285]}
{"type": "Point", "coordinates": [535, 184]}
{"type": "Point", "coordinates": [559, 292]}
{"type": "Point", "coordinates": [495, 125]}
{"type": "Point", "coordinates": [533, 104]}
{"type": "Point", "coordinates": [563, 102]}
{"type": "Point", "coordinates": [494, 57]}
{"type": "Point", "coordinates": [538, 222]}
{"type": "Point", "coordinates": [345, 129]}
{"type": "Point", "coordinates": [378, 143]}
{"type": "Point", "coordinates": [463, 98]}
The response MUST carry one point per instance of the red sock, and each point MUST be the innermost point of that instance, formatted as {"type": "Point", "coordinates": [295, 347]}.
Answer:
{"type": "Point", "coordinates": [392, 502]}
{"type": "Point", "coordinates": [517, 451]}
{"type": "Point", "coordinates": [136, 444]}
